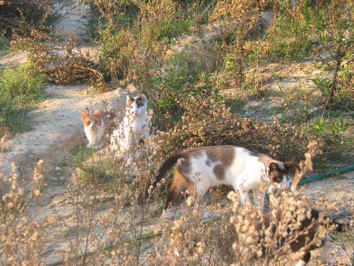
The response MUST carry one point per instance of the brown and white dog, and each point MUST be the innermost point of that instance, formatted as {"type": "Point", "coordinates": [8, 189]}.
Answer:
{"type": "Point", "coordinates": [97, 126]}
{"type": "Point", "coordinates": [94, 128]}
{"type": "Point", "coordinates": [201, 168]}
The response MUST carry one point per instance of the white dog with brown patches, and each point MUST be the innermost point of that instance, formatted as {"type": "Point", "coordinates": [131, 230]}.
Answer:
{"type": "Point", "coordinates": [134, 130]}
{"type": "Point", "coordinates": [94, 128]}
{"type": "Point", "coordinates": [201, 168]}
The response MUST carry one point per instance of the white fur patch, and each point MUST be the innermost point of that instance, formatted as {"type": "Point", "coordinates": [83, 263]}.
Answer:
{"type": "Point", "coordinates": [245, 173]}
{"type": "Point", "coordinates": [94, 134]}
{"type": "Point", "coordinates": [133, 129]}
{"type": "Point", "coordinates": [300, 263]}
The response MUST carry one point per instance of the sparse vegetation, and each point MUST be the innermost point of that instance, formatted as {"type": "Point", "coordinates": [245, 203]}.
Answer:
{"type": "Point", "coordinates": [20, 89]}
{"type": "Point", "coordinates": [214, 73]}
{"type": "Point", "coordinates": [19, 17]}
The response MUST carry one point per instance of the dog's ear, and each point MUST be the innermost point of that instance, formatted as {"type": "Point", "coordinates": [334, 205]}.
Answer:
{"type": "Point", "coordinates": [130, 100]}
{"type": "Point", "coordinates": [99, 113]}
{"type": "Point", "coordinates": [275, 174]}
{"type": "Point", "coordinates": [85, 118]}
{"type": "Point", "coordinates": [273, 167]}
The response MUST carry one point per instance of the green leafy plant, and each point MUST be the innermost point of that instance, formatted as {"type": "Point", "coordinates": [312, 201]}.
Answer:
{"type": "Point", "coordinates": [20, 89]}
{"type": "Point", "coordinates": [333, 129]}
{"type": "Point", "coordinates": [4, 43]}
{"type": "Point", "coordinates": [181, 78]}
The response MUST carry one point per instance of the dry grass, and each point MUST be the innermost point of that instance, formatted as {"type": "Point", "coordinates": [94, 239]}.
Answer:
{"type": "Point", "coordinates": [105, 221]}
{"type": "Point", "coordinates": [102, 217]}
{"type": "Point", "coordinates": [22, 234]}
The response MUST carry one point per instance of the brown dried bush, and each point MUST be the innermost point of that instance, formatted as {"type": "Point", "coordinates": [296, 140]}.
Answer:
{"type": "Point", "coordinates": [15, 14]}
{"type": "Point", "coordinates": [208, 121]}
{"type": "Point", "coordinates": [61, 61]}
{"type": "Point", "coordinates": [21, 233]}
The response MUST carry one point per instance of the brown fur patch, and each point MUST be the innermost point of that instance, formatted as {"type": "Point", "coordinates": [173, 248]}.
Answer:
{"type": "Point", "coordinates": [225, 154]}
{"type": "Point", "coordinates": [129, 100]}
{"type": "Point", "coordinates": [184, 165]}
{"type": "Point", "coordinates": [179, 182]}
{"type": "Point", "coordinates": [96, 117]}
{"type": "Point", "coordinates": [99, 114]}
{"type": "Point", "coordinates": [219, 171]}
{"type": "Point", "coordinates": [275, 173]}
{"type": "Point", "coordinates": [85, 118]}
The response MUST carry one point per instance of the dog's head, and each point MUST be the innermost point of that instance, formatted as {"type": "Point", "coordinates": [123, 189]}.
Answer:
{"type": "Point", "coordinates": [280, 173]}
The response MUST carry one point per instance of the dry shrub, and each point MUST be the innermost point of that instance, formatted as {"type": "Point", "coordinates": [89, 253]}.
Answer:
{"type": "Point", "coordinates": [5, 134]}
{"type": "Point", "coordinates": [61, 61]}
{"type": "Point", "coordinates": [117, 56]}
{"type": "Point", "coordinates": [208, 121]}
{"type": "Point", "coordinates": [105, 224]}
{"type": "Point", "coordinates": [15, 14]}
{"type": "Point", "coordinates": [269, 237]}
{"type": "Point", "coordinates": [108, 172]}
{"type": "Point", "coordinates": [191, 241]}
{"type": "Point", "coordinates": [131, 39]}
{"type": "Point", "coordinates": [108, 215]}
{"type": "Point", "coordinates": [21, 233]}
{"type": "Point", "coordinates": [51, 54]}
{"type": "Point", "coordinates": [128, 50]}
{"type": "Point", "coordinates": [100, 219]}
{"type": "Point", "coordinates": [245, 14]}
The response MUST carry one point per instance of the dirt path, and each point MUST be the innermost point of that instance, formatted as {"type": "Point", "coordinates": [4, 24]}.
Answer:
{"type": "Point", "coordinates": [74, 16]}
{"type": "Point", "coordinates": [56, 122]}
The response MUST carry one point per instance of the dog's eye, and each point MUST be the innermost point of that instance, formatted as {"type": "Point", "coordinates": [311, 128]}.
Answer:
{"type": "Point", "coordinates": [139, 102]}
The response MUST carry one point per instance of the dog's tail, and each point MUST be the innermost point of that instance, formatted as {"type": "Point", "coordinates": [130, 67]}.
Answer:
{"type": "Point", "coordinates": [167, 165]}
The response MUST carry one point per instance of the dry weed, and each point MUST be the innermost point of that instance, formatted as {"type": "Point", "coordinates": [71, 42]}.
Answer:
{"type": "Point", "coordinates": [22, 234]}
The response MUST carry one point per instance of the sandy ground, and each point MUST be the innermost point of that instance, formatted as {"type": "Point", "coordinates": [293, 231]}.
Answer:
{"type": "Point", "coordinates": [56, 122]}
{"type": "Point", "coordinates": [74, 16]}
{"type": "Point", "coordinates": [57, 129]}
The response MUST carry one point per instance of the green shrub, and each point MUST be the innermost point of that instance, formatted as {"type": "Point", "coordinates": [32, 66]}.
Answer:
{"type": "Point", "coordinates": [331, 129]}
{"type": "Point", "coordinates": [20, 88]}
{"type": "Point", "coordinates": [181, 79]}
